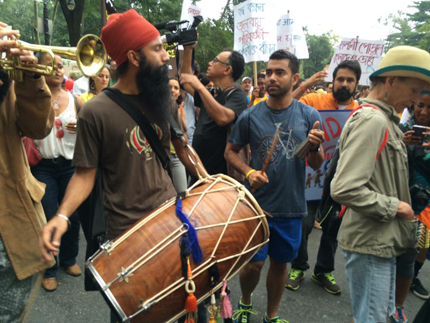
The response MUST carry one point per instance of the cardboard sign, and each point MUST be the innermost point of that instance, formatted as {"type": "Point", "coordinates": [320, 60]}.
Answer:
{"type": "Point", "coordinates": [332, 125]}
{"type": "Point", "coordinates": [254, 30]}
{"type": "Point", "coordinates": [367, 52]}
{"type": "Point", "coordinates": [291, 37]}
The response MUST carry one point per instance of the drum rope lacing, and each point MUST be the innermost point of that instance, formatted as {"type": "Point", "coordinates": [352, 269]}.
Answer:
{"type": "Point", "coordinates": [176, 234]}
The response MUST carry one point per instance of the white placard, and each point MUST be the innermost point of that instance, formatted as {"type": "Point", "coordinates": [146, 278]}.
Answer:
{"type": "Point", "coordinates": [367, 52]}
{"type": "Point", "coordinates": [189, 11]}
{"type": "Point", "coordinates": [291, 37]}
{"type": "Point", "coordinates": [255, 30]}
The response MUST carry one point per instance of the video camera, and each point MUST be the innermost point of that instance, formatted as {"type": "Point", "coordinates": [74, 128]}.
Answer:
{"type": "Point", "coordinates": [181, 36]}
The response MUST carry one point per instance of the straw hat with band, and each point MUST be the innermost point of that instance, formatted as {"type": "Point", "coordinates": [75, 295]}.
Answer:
{"type": "Point", "coordinates": [404, 61]}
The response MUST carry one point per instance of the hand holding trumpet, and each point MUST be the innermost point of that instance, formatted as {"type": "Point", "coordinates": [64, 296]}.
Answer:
{"type": "Point", "coordinates": [9, 44]}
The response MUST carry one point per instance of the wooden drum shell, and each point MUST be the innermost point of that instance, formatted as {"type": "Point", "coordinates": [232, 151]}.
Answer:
{"type": "Point", "coordinates": [157, 280]}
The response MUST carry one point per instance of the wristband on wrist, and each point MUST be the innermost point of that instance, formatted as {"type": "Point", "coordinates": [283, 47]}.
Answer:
{"type": "Point", "coordinates": [315, 150]}
{"type": "Point", "coordinates": [69, 224]}
{"type": "Point", "coordinates": [249, 173]}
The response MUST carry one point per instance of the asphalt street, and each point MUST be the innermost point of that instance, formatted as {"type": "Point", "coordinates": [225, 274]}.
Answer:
{"type": "Point", "coordinates": [310, 304]}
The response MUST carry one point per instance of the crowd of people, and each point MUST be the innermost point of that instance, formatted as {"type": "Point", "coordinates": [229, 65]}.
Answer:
{"type": "Point", "coordinates": [382, 176]}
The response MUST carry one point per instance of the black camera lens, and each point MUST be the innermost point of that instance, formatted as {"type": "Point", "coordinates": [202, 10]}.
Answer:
{"type": "Point", "coordinates": [420, 195]}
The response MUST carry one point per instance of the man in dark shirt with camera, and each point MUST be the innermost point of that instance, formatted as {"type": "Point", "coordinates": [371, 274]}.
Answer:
{"type": "Point", "coordinates": [218, 109]}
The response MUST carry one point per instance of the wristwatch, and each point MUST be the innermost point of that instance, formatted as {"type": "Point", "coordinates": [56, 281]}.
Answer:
{"type": "Point", "coordinates": [315, 150]}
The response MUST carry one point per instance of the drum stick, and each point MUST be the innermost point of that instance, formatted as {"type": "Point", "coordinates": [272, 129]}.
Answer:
{"type": "Point", "coordinates": [269, 155]}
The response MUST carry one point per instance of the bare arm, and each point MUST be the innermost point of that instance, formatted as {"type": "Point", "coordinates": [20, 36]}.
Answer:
{"type": "Point", "coordinates": [314, 79]}
{"type": "Point", "coordinates": [256, 179]}
{"type": "Point", "coordinates": [186, 65]}
{"type": "Point", "coordinates": [315, 159]}
{"type": "Point", "coordinates": [78, 190]}
{"type": "Point", "coordinates": [182, 154]}
{"type": "Point", "coordinates": [219, 113]}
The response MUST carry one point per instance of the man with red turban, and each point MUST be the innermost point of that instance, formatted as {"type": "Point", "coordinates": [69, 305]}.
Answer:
{"type": "Point", "coordinates": [108, 137]}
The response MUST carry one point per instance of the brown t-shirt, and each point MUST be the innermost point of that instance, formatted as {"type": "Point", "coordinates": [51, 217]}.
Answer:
{"type": "Point", "coordinates": [134, 181]}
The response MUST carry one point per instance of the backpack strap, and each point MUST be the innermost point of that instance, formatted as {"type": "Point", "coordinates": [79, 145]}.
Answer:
{"type": "Point", "coordinates": [384, 142]}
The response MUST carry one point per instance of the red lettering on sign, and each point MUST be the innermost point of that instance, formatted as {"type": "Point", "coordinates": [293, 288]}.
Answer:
{"type": "Point", "coordinates": [334, 129]}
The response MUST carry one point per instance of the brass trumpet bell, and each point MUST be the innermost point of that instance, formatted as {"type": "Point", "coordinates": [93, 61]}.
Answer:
{"type": "Point", "coordinates": [90, 55]}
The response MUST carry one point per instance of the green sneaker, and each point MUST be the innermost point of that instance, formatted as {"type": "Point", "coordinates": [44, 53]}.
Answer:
{"type": "Point", "coordinates": [274, 320]}
{"type": "Point", "coordinates": [295, 276]}
{"type": "Point", "coordinates": [241, 315]}
{"type": "Point", "coordinates": [327, 281]}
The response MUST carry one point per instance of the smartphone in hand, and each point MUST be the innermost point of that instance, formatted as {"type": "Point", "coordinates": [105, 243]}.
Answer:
{"type": "Point", "coordinates": [419, 131]}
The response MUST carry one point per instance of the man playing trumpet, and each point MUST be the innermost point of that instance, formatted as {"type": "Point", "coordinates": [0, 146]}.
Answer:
{"type": "Point", "coordinates": [25, 109]}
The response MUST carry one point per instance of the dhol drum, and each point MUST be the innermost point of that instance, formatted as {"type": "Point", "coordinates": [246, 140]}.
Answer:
{"type": "Point", "coordinates": [140, 272]}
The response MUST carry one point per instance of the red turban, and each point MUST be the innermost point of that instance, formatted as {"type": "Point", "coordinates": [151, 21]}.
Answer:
{"type": "Point", "coordinates": [126, 31]}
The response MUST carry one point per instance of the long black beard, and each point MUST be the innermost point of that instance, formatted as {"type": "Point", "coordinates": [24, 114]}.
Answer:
{"type": "Point", "coordinates": [153, 85]}
{"type": "Point", "coordinates": [342, 95]}
{"type": "Point", "coordinates": [4, 88]}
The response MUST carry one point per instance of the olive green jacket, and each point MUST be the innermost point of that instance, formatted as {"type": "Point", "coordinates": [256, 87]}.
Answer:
{"type": "Point", "coordinates": [25, 110]}
{"type": "Point", "coordinates": [372, 188]}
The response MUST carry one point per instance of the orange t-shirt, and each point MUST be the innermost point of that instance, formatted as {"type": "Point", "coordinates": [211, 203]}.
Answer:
{"type": "Point", "coordinates": [325, 101]}
{"type": "Point", "coordinates": [258, 100]}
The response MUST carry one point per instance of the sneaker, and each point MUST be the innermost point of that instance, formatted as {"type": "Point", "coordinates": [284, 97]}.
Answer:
{"type": "Point", "coordinates": [399, 315]}
{"type": "Point", "coordinates": [295, 276]}
{"type": "Point", "coordinates": [274, 320]}
{"type": "Point", "coordinates": [419, 289]}
{"type": "Point", "coordinates": [327, 281]}
{"type": "Point", "coordinates": [241, 315]}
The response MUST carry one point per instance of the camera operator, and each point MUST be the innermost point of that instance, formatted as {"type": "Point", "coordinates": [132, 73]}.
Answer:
{"type": "Point", "coordinates": [418, 148]}
{"type": "Point", "coordinates": [217, 112]}
{"type": "Point", "coordinates": [25, 109]}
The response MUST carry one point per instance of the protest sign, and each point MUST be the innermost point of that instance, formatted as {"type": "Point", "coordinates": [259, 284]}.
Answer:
{"type": "Point", "coordinates": [290, 36]}
{"type": "Point", "coordinates": [332, 124]}
{"type": "Point", "coordinates": [189, 11]}
{"type": "Point", "coordinates": [254, 30]}
{"type": "Point", "coordinates": [367, 52]}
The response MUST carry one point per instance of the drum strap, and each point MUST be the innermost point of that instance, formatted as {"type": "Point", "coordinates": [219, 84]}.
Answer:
{"type": "Point", "coordinates": [128, 106]}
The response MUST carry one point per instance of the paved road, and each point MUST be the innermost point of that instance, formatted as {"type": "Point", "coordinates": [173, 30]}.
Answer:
{"type": "Point", "coordinates": [310, 304]}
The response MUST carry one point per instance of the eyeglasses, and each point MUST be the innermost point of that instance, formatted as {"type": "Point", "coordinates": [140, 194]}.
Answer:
{"type": "Point", "coordinates": [59, 126]}
{"type": "Point", "coordinates": [217, 60]}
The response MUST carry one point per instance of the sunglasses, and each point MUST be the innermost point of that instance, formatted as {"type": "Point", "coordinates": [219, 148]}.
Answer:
{"type": "Point", "coordinates": [217, 60]}
{"type": "Point", "coordinates": [59, 126]}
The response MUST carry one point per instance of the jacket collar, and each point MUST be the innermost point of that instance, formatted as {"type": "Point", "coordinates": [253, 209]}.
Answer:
{"type": "Point", "coordinates": [387, 109]}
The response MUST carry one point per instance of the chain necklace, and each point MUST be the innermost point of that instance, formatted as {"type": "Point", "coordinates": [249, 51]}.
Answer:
{"type": "Point", "coordinates": [56, 105]}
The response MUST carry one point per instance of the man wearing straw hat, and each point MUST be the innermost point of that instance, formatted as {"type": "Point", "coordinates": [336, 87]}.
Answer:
{"type": "Point", "coordinates": [372, 182]}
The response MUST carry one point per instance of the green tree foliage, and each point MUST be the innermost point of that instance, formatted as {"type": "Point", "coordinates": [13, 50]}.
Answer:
{"type": "Point", "coordinates": [321, 48]}
{"type": "Point", "coordinates": [411, 29]}
{"type": "Point", "coordinates": [420, 20]}
{"type": "Point", "coordinates": [20, 15]}
{"type": "Point", "coordinates": [214, 36]}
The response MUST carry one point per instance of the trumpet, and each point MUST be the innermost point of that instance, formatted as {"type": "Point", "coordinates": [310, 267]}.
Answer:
{"type": "Point", "coordinates": [90, 54]}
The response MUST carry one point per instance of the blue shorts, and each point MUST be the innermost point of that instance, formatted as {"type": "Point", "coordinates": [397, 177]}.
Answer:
{"type": "Point", "coordinates": [285, 239]}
